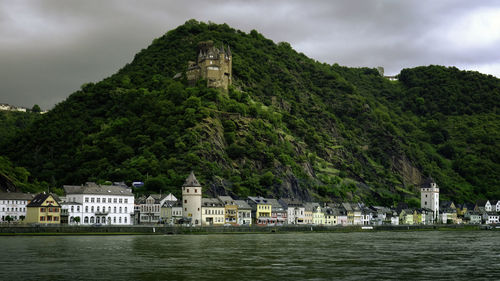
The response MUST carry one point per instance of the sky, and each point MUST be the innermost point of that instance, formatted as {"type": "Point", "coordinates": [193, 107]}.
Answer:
{"type": "Point", "coordinates": [48, 49]}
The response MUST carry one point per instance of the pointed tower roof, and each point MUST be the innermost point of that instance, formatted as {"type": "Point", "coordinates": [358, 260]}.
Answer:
{"type": "Point", "coordinates": [191, 181]}
{"type": "Point", "coordinates": [229, 50]}
{"type": "Point", "coordinates": [427, 183]}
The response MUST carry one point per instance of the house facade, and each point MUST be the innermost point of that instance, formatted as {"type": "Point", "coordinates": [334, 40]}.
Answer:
{"type": "Point", "coordinates": [13, 206]}
{"type": "Point", "coordinates": [102, 204]}
{"type": "Point", "coordinates": [43, 209]}
{"type": "Point", "coordinates": [212, 212]}
{"type": "Point", "coordinates": [171, 212]}
{"type": "Point", "coordinates": [244, 212]}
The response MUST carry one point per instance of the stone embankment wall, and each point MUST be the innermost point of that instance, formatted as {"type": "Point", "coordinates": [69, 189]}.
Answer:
{"type": "Point", "coordinates": [158, 229]}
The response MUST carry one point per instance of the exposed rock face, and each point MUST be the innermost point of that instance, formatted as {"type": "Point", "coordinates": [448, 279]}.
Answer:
{"type": "Point", "coordinates": [410, 174]}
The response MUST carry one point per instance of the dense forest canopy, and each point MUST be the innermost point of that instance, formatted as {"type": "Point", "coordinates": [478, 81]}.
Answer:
{"type": "Point", "coordinates": [288, 127]}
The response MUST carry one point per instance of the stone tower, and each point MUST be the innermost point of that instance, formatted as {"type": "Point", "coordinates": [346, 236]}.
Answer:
{"type": "Point", "coordinates": [191, 200]}
{"type": "Point", "coordinates": [213, 64]}
{"type": "Point", "coordinates": [429, 196]}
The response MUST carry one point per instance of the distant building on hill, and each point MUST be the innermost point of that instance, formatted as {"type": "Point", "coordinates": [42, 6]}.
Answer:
{"type": "Point", "coordinates": [213, 64]}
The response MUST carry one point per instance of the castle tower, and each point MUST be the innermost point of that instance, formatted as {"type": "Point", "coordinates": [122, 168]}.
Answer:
{"type": "Point", "coordinates": [213, 64]}
{"type": "Point", "coordinates": [191, 200]}
{"type": "Point", "coordinates": [429, 196]}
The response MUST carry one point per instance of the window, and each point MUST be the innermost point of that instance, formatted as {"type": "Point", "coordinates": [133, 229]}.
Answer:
{"type": "Point", "coordinates": [92, 209]}
{"type": "Point", "coordinates": [72, 209]}
{"type": "Point", "coordinates": [56, 218]}
{"type": "Point", "coordinates": [125, 219]}
{"type": "Point", "coordinates": [98, 208]}
{"type": "Point", "coordinates": [120, 209]}
{"type": "Point", "coordinates": [125, 209]}
{"type": "Point", "coordinates": [114, 200]}
{"type": "Point", "coordinates": [98, 200]}
{"type": "Point", "coordinates": [120, 219]}
{"type": "Point", "coordinates": [187, 190]}
{"type": "Point", "coordinates": [109, 209]}
{"type": "Point", "coordinates": [86, 220]}
{"type": "Point", "coordinates": [114, 220]}
{"type": "Point", "coordinates": [185, 201]}
{"type": "Point", "coordinates": [42, 218]}
{"type": "Point", "coordinates": [126, 200]}
{"type": "Point", "coordinates": [42, 210]}
{"type": "Point", "coordinates": [92, 200]}
{"type": "Point", "coordinates": [86, 200]}
{"type": "Point", "coordinates": [86, 209]}
{"type": "Point", "coordinates": [78, 208]}
{"type": "Point", "coordinates": [103, 200]}
{"type": "Point", "coordinates": [109, 200]}
{"type": "Point", "coordinates": [91, 219]}
{"type": "Point", "coordinates": [114, 209]}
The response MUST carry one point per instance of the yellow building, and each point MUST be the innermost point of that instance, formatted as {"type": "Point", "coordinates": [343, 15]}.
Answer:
{"type": "Point", "coordinates": [261, 210]}
{"type": "Point", "coordinates": [43, 209]}
{"type": "Point", "coordinates": [230, 210]}
{"type": "Point", "coordinates": [318, 216]}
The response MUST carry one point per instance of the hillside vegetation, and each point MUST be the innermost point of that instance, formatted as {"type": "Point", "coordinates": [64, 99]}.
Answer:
{"type": "Point", "coordinates": [289, 126]}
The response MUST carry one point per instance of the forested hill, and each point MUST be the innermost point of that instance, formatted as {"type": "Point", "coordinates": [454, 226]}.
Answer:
{"type": "Point", "coordinates": [289, 126]}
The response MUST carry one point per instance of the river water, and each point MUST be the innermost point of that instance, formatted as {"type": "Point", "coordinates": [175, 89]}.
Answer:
{"type": "Point", "coordinates": [385, 255]}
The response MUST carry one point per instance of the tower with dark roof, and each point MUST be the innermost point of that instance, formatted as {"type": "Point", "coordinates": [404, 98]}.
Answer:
{"type": "Point", "coordinates": [191, 200]}
{"type": "Point", "coordinates": [429, 196]}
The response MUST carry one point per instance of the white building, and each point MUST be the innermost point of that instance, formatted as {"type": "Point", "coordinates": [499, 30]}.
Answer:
{"type": "Point", "coordinates": [296, 211]}
{"type": "Point", "coordinates": [244, 212]}
{"type": "Point", "coordinates": [102, 204]}
{"type": "Point", "coordinates": [150, 207]}
{"type": "Point", "coordinates": [191, 200]}
{"type": "Point", "coordinates": [429, 197]}
{"type": "Point", "coordinates": [74, 211]}
{"type": "Point", "coordinates": [212, 212]}
{"type": "Point", "coordinates": [13, 205]}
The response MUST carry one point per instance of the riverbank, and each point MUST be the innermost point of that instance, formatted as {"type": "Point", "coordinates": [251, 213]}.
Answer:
{"type": "Point", "coordinates": [164, 230]}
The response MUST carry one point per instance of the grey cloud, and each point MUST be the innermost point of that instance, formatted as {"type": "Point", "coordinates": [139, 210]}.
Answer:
{"type": "Point", "coordinates": [49, 48]}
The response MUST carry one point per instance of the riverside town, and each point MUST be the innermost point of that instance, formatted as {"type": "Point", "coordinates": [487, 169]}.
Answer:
{"type": "Point", "coordinates": [96, 205]}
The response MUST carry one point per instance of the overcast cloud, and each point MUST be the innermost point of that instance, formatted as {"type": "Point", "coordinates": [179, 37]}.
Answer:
{"type": "Point", "coordinates": [49, 48]}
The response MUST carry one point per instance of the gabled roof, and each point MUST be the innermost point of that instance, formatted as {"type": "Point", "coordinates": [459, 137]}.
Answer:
{"type": "Point", "coordinates": [290, 202]}
{"type": "Point", "coordinates": [258, 200]}
{"type": "Point", "coordinates": [427, 182]}
{"type": "Point", "coordinates": [96, 189]}
{"type": "Point", "coordinates": [493, 202]}
{"type": "Point", "coordinates": [211, 202]}
{"type": "Point", "coordinates": [191, 181]}
{"type": "Point", "coordinates": [227, 200]}
{"type": "Point", "coordinates": [16, 196]}
{"type": "Point", "coordinates": [40, 198]}
{"type": "Point", "coordinates": [171, 204]}
{"type": "Point", "coordinates": [275, 205]}
{"type": "Point", "coordinates": [242, 205]}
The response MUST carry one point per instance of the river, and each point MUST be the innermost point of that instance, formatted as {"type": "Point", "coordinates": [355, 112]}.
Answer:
{"type": "Point", "coordinates": [384, 255]}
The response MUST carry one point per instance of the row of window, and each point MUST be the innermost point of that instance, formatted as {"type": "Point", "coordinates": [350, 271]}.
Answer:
{"type": "Point", "coordinates": [50, 210]}
{"type": "Point", "coordinates": [145, 209]}
{"type": "Point", "coordinates": [49, 218]}
{"type": "Point", "coordinates": [5, 202]}
{"type": "Point", "coordinates": [98, 209]}
{"type": "Point", "coordinates": [98, 200]}
{"type": "Point", "coordinates": [214, 212]}
{"type": "Point", "coordinates": [13, 209]}
{"type": "Point", "coordinates": [102, 220]}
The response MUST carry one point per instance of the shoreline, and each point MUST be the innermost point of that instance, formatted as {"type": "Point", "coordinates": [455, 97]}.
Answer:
{"type": "Point", "coordinates": [181, 230]}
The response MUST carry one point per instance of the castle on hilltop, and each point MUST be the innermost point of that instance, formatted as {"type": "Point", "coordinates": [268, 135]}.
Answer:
{"type": "Point", "coordinates": [213, 64]}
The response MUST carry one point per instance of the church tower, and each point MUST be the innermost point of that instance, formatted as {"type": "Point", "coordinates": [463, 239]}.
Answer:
{"type": "Point", "coordinates": [191, 200]}
{"type": "Point", "coordinates": [429, 196]}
